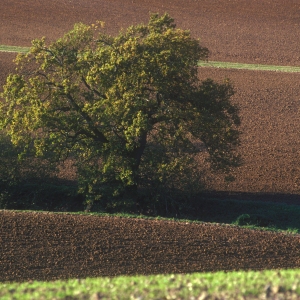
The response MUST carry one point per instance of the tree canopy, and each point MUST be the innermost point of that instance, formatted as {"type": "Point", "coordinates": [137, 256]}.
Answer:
{"type": "Point", "coordinates": [129, 109]}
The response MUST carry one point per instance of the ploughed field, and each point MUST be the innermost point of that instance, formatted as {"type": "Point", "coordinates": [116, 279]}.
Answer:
{"type": "Point", "coordinates": [48, 246]}
{"type": "Point", "coordinates": [256, 31]}
{"type": "Point", "coordinates": [270, 141]}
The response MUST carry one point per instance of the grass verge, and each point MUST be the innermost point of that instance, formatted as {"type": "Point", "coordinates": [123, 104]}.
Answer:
{"type": "Point", "coordinates": [258, 67]}
{"type": "Point", "coordinates": [5, 48]}
{"type": "Point", "coordinates": [211, 64]}
{"type": "Point", "coordinates": [273, 284]}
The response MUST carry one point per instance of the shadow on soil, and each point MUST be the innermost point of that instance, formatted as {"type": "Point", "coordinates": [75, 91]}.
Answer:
{"type": "Point", "coordinates": [278, 211]}
{"type": "Point", "coordinates": [274, 211]}
{"type": "Point", "coordinates": [30, 184]}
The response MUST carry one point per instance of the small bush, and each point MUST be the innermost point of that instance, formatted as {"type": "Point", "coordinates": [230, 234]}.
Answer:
{"type": "Point", "coordinates": [255, 219]}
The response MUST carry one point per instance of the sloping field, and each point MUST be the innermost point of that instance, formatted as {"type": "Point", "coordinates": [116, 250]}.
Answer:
{"type": "Point", "coordinates": [6, 66]}
{"type": "Point", "coordinates": [47, 246]}
{"type": "Point", "coordinates": [256, 31]}
{"type": "Point", "coordinates": [270, 141]}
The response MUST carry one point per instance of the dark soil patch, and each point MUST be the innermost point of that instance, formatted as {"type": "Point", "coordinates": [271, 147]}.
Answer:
{"type": "Point", "coordinates": [45, 246]}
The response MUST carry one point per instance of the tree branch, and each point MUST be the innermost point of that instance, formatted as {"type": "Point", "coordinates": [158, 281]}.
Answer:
{"type": "Point", "coordinates": [98, 134]}
{"type": "Point", "coordinates": [91, 89]}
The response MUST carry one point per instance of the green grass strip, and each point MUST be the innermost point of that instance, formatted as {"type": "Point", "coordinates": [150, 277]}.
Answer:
{"type": "Point", "coordinates": [211, 64]}
{"type": "Point", "coordinates": [268, 284]}
{"type": "Point", "coordinates": [4, 48]}
{"type": "Point", "coordinates": [241, 66]}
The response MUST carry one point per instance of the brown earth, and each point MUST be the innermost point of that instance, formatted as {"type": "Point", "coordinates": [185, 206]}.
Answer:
{"type": "Point", "coordinates": [270, 136]}
{"type": "Point", "coordinates": [260, 31]}
{"type": "Point", "coordinates": [270, 141]}
{"type": "Point", "coordinates": [6, 66]}
{"type": "Point", "coordinates": [45, 246]}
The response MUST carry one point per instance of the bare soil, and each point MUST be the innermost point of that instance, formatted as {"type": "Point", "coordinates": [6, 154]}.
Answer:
{"type": "Point", "coordinates": [260, 31]}
{"type": "Point", "coordinates": [270, 140]}
{"type": "Point", "coordinates": [45, 246]}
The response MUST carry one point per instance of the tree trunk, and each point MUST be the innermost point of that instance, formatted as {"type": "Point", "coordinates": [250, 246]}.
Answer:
{"type": "Point", "coordinates": [139, 151]}
{"type": "Point", "coordinates": [136, 155]}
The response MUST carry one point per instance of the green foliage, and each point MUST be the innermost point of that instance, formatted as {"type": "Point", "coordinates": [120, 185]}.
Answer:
{"type": "Point", "coordinates": [130, 109]}
{"type": "Point", "coordinates": [254, 220]}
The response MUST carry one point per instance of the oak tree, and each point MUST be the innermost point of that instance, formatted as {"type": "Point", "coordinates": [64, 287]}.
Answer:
{"type": "Point", "coordinates": [129, 109]}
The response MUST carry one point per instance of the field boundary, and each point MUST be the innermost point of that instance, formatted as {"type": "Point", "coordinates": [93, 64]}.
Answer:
{"type": "Point", "coordinates": [5, 48]}
{"type": "Point", "coordinates": [242, 66]}
{"type": "Point", "coordinates": [207, 64]}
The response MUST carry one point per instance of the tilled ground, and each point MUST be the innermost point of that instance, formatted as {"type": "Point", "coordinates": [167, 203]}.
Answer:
{"type": "Point", "coordinates": [270, 140]}
{"type": "Point", "coordinates": [47, 246]}
{"type": "Point", "coordinates": [6, 66]}
{"type": "Point", "coordinates": [260, 31]}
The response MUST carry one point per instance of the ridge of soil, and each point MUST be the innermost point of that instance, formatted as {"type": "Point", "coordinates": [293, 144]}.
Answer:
{"type": "Point", "coordinates": [45, 246]}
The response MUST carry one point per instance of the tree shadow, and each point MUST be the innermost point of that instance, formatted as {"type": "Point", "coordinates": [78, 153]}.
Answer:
{"type": "Point", "coordinates": [278, 211]}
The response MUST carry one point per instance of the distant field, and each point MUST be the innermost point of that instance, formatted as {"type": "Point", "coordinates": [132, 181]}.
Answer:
{"type": "Point", "coordinates": [269, 107]}
{"type": "Point", "coordinates": [270, 142]}
{"type": "Point", "coordinates": [257, 32]}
